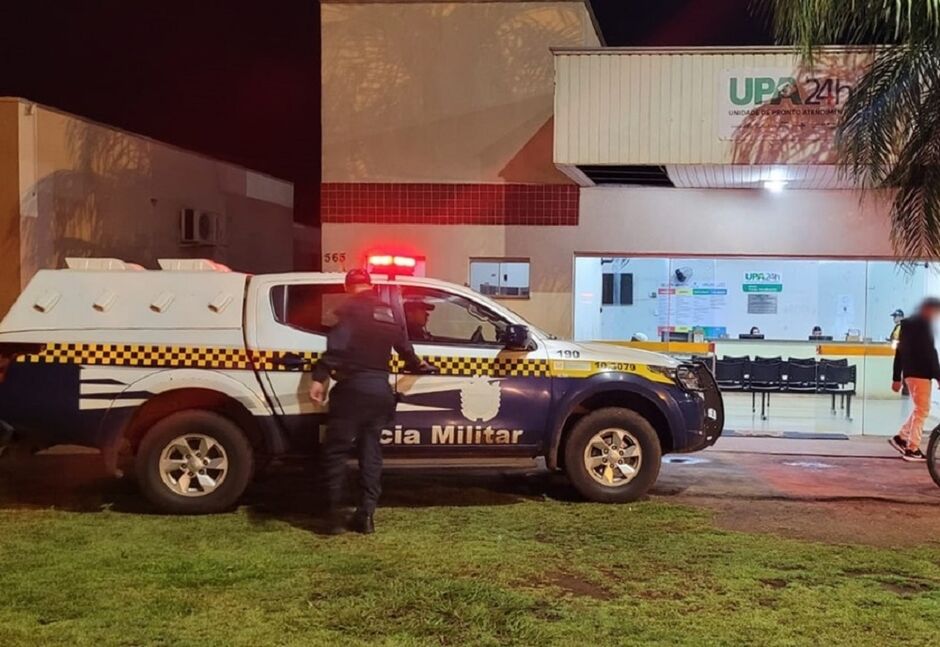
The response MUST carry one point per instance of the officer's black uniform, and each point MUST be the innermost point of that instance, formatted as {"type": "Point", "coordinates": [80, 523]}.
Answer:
{"type": "Point", "coordinates": [358, 352]}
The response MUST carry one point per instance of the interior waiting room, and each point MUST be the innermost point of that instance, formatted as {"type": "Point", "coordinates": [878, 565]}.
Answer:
{"type": "Point", "coordinates": [799, 346]}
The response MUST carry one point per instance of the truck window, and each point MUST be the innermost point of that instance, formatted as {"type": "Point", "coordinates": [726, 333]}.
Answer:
{"type": "Point", "coordinates": [434, 316]}
{"type": "Point", "coordinates": [307, 306]}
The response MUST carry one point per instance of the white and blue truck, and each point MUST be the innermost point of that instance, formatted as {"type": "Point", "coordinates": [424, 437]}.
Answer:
{"type": "Point", "coordinates": [201, 374]}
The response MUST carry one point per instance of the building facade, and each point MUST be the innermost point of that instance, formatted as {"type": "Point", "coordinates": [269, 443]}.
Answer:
{"type": "Point", "coordinates": [438, 132]}
{"type": "Point", "coordinates": [618, 194]}
{"type": "Point", "coordinates": [503, 131]}
{"type": "Point", "coordinates": [72, 187]}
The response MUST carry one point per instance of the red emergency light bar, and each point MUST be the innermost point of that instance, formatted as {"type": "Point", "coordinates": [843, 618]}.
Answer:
{"type": "Point", "coordinates": [390, 264]}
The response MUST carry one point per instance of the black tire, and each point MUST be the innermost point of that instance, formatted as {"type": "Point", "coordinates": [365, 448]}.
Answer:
{"type": "Point", "coordinates": [932, 457]}
{"type": "Point", "coordinates": [613, 418]}
{"type": "Point", "coordinates": [238, 453]}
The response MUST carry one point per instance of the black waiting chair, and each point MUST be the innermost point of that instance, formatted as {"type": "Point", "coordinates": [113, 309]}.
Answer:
{"type": "Point", "coordinates": [800, 377]}
{"type": "Point", "coordinates": [730, 375]}
{"type": "Point", "coordinates": [767, 360]}
{"type": "Point", "coordinates": [807, 361]}
{"type": "Point", "coordinates": [839, 380]}
{"type": "Point", "coordinates": [766, 378]}
{"type": "Point", "coordinates": [743, 359]}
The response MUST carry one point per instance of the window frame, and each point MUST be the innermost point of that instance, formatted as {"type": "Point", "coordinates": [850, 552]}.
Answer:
{"type": "Point", "coordinates": [500, 260]}
{"type": "Point", "coordinates": [287, 285]}
{"type": "Point", "coordinates": [616, 289]}
{"type": "Point", "coordinates": [400, 306]}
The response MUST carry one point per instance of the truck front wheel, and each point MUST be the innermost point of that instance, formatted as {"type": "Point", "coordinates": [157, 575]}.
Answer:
{"type": "Point", "coordinates": [613, 455]}
{"type": "Point", "coordinates": [194, 462]}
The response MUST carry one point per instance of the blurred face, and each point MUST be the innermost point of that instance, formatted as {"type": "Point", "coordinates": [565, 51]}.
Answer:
{"type": "Point", "coordinates": [417, 317]}
{"type": "Point", "coordinates": [931, 313]}
{"type": "Point", "coordinates": [896, 318]}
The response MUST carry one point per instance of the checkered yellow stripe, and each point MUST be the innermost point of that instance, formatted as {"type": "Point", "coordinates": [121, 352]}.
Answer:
{"type": "Point", "coordinates": [144, 355]}
{"type": "Point", "coordinates": [153, 356]}
{"type": "Point", "coordinates": [483, 366]}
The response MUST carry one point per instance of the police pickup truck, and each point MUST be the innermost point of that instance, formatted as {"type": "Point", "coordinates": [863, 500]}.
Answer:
{"type": "Point", "coordinates": [202, 375]}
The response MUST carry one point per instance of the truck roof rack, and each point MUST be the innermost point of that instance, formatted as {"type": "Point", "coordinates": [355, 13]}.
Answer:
{"type": "Point", "coordinates": [100, 265]}
{"type": "Point", "coordinates": [191, 265]}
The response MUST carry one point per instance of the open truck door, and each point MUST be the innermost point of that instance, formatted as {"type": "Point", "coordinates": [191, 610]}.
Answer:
{"type": "Point", "coordinates": [289, 318]}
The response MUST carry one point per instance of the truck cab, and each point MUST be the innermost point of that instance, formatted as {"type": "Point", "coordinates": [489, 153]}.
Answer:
{"type": "Point", "coordinates": [202, 374]}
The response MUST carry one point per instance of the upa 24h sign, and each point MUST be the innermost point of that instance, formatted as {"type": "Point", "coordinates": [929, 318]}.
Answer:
{"type": "Point", "coordinates": [780, 103]}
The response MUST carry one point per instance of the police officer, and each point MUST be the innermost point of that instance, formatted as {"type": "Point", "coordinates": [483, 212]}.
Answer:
{"type": "Point", "coordinates": [357, 356]}
{"type": "Point", "coordinates": [897, 317]}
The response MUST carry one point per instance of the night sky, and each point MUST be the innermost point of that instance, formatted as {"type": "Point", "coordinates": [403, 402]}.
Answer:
{"type": "Point", "coordinates": [239, 79]}
{"type": "Point", "coordinates": [653, 23]}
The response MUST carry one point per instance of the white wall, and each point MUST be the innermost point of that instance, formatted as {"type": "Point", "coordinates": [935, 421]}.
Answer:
{"type": "Point", "coordinates": [87, 189]}
{"type": "Point", "coordinates": [890, 287]}
{"type": "Point", "coordinates": [587, 298]}
{"type": "Point", "coordinates": [836, 295]}
{"type": "Point", "coordinates": [443, 91]}
{"type": "Point", "coordinates": [620, 321]}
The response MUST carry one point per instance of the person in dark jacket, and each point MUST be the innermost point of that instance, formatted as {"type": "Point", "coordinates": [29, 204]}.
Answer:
{"type": "Point", "coordinates": [916, 363]}
{"type": "Point", "coordinates": [358, 352]}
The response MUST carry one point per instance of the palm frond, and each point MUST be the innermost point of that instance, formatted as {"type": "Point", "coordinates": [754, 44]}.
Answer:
{"type": "Point", "coordinates": [809, 24]}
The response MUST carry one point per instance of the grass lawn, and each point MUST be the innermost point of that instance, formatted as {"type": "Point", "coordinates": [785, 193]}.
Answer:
{"type": "Point", "coordinates": [529, 573]}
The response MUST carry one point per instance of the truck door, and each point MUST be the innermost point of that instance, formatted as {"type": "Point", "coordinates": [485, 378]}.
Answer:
{"type": "Point", "coordinates": [487, 401]}
{"type": "Point", "coordinates": [287, 320]}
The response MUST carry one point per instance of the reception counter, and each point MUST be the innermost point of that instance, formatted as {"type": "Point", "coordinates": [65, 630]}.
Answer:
{"type": "Point", "coordinates": [873, 359]}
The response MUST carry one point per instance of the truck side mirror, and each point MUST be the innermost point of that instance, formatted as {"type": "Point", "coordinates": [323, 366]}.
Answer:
{"type": "Point", "coordinates": [516, 337]}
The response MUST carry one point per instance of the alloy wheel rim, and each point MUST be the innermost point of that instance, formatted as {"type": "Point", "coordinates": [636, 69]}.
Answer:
{"type": "Point", "coordinates": [613, 457]}
{"type": "Point", "coordinates": [193, 465]}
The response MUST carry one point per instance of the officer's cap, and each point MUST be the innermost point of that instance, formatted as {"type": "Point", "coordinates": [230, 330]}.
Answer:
{"type": "Point", "coordinates": [898, 313]}
{"type": "Point", "coordinates": [358, 277]}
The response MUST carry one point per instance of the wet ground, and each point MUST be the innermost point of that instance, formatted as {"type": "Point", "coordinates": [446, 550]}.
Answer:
{"type": "Point", "coordinates": [878, 500]}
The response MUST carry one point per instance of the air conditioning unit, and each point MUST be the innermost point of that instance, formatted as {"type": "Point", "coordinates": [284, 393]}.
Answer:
{"type": "Point", "coordinates": [202, 227]}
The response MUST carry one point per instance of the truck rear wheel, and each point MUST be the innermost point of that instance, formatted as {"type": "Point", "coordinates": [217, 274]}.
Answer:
{"type": "Point", "coordinates": [194, 462]}
{"type": "Point", "coordinates": [613, 455]}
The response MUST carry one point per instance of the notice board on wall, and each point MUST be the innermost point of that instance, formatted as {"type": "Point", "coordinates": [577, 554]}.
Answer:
{"type": "Point", "coordinates": [699, 305]}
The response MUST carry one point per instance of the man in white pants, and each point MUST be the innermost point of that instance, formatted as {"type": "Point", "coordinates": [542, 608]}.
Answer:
{"type": "Point", "coordinates": [915, 361]}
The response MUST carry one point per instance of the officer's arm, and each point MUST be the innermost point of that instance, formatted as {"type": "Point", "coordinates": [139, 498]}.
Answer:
{"type": "Point", "coordinates": [407, 352]}
{"type": "Point", "coordinates": [337, 343]}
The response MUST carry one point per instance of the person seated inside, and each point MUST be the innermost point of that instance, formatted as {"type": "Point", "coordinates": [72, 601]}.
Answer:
{"type": "Point", "coordinates": [754, 330]}
{"type": "Point", "coordinates": [817, 332]}
{"type": "Point", "coordinates": [416, 320]}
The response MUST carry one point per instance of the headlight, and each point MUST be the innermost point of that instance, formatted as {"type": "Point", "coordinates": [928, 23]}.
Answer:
{"type": "Point", "coordinates": [688, 378]}
{"type": "Point", "coordinates": [684, 376]}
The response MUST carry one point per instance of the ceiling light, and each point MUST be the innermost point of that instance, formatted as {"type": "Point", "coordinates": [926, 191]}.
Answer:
{"type": "Point", "coordinates": [775, 186]}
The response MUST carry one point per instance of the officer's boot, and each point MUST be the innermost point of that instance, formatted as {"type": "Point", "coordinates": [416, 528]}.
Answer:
{"type": "Point", "coordinates": [362, 522]}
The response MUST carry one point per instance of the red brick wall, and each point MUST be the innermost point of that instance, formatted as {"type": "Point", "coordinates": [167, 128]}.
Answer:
{"type": "Point", "coordinates": [450, 204]}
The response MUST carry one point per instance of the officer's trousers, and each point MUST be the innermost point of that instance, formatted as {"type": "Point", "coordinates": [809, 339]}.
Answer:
{"type": "Point", "coordinates": [359, 409]}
